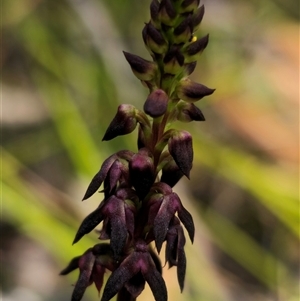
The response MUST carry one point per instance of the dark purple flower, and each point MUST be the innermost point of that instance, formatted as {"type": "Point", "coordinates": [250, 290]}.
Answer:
{"type": "Point", "coordinates": [92, 265]}
{"type": "Point", "coordinates": [118, 212]}
{"type": "Point", "coordinates": [198, 16]}
{"type": "Point", "coordinates": [101, 175]}
{"type": "Point", "coordinates": [173, 61]}
{"type": "Point", "coordinates": [156, 103]}
{"type": "Point", "coordinates": [181, 149]}
{"type": "Point", "coordinates": [167, 12]}
{"type": "Point", "coordinates": [124, 122]}
{"type": "Point", "coordinates": [187, 112]}
{"type": "Point", "coordinates": [171, 173]}
{"type": "Point", "coordinates": [190, 91]}
{"type": "Point", "coordinates": [163, 204]}
{"type": "Point", "coordinates": [194, 50]}
{"type": "Point", "coordinates": [183, 32]}
{"type": "Point", "coordinates": [142, 69]}
{"type": "Point", "coordinates": [153, 39]}
{"type": "Point", "coordinates": [154, 9]}
{"type": "Point", "coordinates": [142, 172]}
{"type": "Point", "coordinates": [189, 5]}
{"type": "Point", "coordinates": [139, 206]}
{"type": "Point", "coordinates": [189, 68]}
{"type": "Point", "coordinates": [139, 263]}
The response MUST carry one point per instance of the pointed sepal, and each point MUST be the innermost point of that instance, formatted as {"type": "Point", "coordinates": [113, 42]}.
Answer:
{"type": "Point", "coordinates": [142, 69]}
{"type": "Point", "coordinates": [187, 112]}
{"type": "Point", "coordinates": [181, 149]}
{"type": "Point", "coordinates": [194, 50]}
{"type": "Point", "coordinates": [190, 91]}
{"type": "Point", "coordinates": [142, 172]}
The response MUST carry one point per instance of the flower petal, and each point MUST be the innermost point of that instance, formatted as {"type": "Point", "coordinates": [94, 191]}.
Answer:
{"type": "Point", "coordinates": [123, 123]}
{"type": "Point", "coordinates": [187, 220]}
{"type": "Point", "coordinates": [181, 258]}
{"type": "Point", "coordinates": [100, 176]}
{"type": "Point", "coordinates": [181, 149]}
{"type": "Point", "coordinates": [89, 223]}
{"type": "Point", "coordinates": [157, 285]}
{"type": "Point", "coordinates": [86, 263]}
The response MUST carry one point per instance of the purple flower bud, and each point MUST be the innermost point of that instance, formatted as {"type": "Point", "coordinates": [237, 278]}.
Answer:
{"type": "Point", "coordinates": [142, 172]}
{"type": "Point", "coordinates": [181, 149]}
{"type": "Point", "coordinates": [167, 12]}
{"type": "Point", "coordinates": [85, 264]}
{"type": "Point", "coordinates": [123, 123]}
{"type": "Point", "coordinates": [171, 173]}
{"type": "Point", "coordinates": [142, 69]}
{"type": "Point", "coordinates": [154, 9]}
{"type": "Point", "coordinates": [189, 5]}
{"type": "Point", "coordinates": [164, 215]}
{"type": "Point", "coordinates": [183, 32]}
{"type": "Point", "coordinates": [197, 17]}
{"type": "Point", "coordinates": [173, 61]}
{"type": "Point", "coordinates": [193, 50]}
{"type": "Point", "coordinates": [154, 40]}
{"type": "Point", "coordinates": [118, 213]}
{"type": "Point", "coordinates": [191, 91]}
{"type": "Point", "coordinates": [187, 112]}
{"type": "Point", "coordinates": [156, 103]}
{"type": "Point", "coordinates": [189, 68]}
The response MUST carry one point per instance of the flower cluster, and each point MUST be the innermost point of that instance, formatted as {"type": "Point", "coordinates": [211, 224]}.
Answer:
{"type": "Point", "coordinates": [140, 210]}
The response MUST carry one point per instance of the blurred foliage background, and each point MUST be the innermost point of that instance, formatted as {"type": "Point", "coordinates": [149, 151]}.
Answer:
{"type": "Point", "coordinates": [63, 76]}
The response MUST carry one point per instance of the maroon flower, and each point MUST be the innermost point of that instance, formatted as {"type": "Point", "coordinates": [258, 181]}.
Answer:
{"type": "Point", "coordinates": [139, 206]}
{"type": "Point", "coordinates": [163, 204]}
{"type": "Point", "coordinates": [187, 112]}
{"type": "Point", "coordinates": [142, 172]}
{"type": "Point", "coordinates": [118, 212]}
{"type": "Point", "coordinates": [181, 149]}
{"type": "Point", "coordinates": [92, 266]}
{"type": "Point", "coordinates": [167, 12]}
{"type": "Point", "coordinates": [189, 5]}
{"type": "Point", "coordinates": [124, 156]}
{"type": "Point", "coordinates": [190, 91]}
{"type": "Point", "coordinates": [173, 61]}
{"type": "Point", "coordinates": [171, 173]}
{"type": "Point", "coordinates": [142, 69]}
{"type": "Point", "coordinates": [123, 123]}
{"type": "Point", "coordinates": [156, 103]}
{"type": "Point", "coordinates": [132, 273]}
{"type": "Point", "coordinates": [198, 16]}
